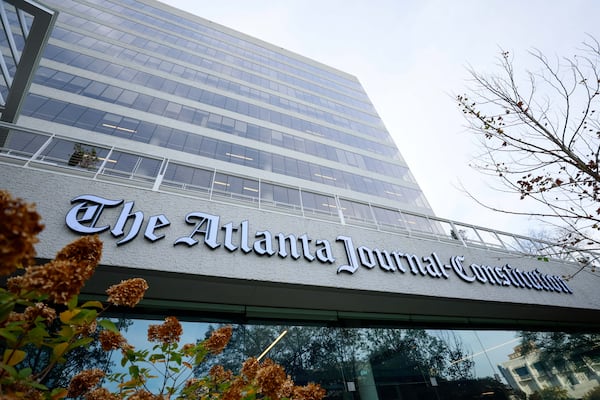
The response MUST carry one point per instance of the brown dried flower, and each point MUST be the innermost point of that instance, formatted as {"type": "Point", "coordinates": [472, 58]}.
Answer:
{"type": "Point", "coordinates": [127, 293]}
{"type": "Point", "coordinates": [270, 377]}
{"type": "Point", "coordinates": [234, 392]}
{"type": "Point", "coordinates": [188, 349]}
{"type": "Point", "coordinates": [86, 251]}
{"type": "Point", "coordinates": [48, 314]}
{"type": "Point", "coordinates": [15, 317]}
{"type": "Point", "coordinates": [18, 391]}
{"type": "Point", "coordinates": [168, 332]}
{"type": "Point", "coordinates": [100, 394]}
{"type": "Point", "coordinates": [287, 388]}
{"type": "Point", "coordinates": [311, 391]}
{"type": "Point", "coordinates": [63, 277]}
{"type": "Point", "coordinates": [14, 284]}
{"type": "Point", "coordinates": [19, 227]}
{"type": "Point", "coordinates": [110, 340]}
{"type": "Point", "coordinates": [220, 374]}
{"type": "Point", "coordinates": [84, 381]}
{"type": "Point", "coordinates": [250, 368]}
{"type": "Point", "coordinates": [218, 339]}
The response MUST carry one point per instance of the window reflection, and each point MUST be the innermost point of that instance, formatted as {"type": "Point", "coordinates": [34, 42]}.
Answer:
{"type": "Point", "coordinates": [164, 136]}
{"type": "Point", "coordinates": [410, 363]}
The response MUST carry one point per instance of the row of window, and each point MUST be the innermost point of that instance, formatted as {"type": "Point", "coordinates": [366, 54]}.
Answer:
{"type": "Point", "coordinates": [84, 61]}
{"type": "Point", "coordinates": [183, 49]}
{"type": "Point", "coordinates": [158, 106]}
{"type": "Point", "coordinates": [233, 44]}
{"type": "Point", "coordinates": [163, 136]}
{"type": "Point", "coordinates": [126, 165]}
{"type": "Point", "coordinates": [354, 110]}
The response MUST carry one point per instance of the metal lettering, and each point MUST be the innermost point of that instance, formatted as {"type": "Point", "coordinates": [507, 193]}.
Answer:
{"type": "Point", "coordinates": [155, 222]}
{"type": "Point", "coordinates": [210, 233]}
{"type": "Point", "coordinates": [352, 265]}
{"type": "Point", "coordinates": [264, 245]}
{"type": "Point", "coordinates": [385, 261]}
{"type": "Point", "coordinates": [324, 253]}
{"type": "Point", "coordinates": [305, 247]}
{"type": "Point", "coordinates": [282, 239]}
{"type": "Point", "coordinates": [88, 211]}
{"type": "Point", "coordinates": [460, 270]}
{"type": "Point", "coordinates": [367, 258]}
{"type": "Point", "coordinates": [126, 214]}
{"type": "Point", "coordinates": [228, 242]}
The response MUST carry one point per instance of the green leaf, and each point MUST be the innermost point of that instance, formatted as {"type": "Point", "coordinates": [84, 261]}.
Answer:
{"type": "Point", "coordinates": [37, 335]}
{"type": "Point", "coordinates": [156, 357]}
{"type": "Point", "coordinates": [58, 393]}
{"type": "Point", "coordinates": [13, 356]}
{"type": "Point", "coordinates": [8, 335]}
{"type": "Point", "coordinates": [81, 342]}
{"type": "Point", "coordinates": [109, 325]}
{"type": "Point", "coordinates": [73, 302]}
{"type": "Point", "coordinates": [134, 371]}
{"type": "Point", "coordinates": [85, 316]}
{"type": "Point", "coordinates": [24, 373]}
{"type": "Point", "coordinates": [11, 370]}
{"type": "Point", "coordinates": [176, 357]}
{"type": "Point", "coordinates": [66, 332]}
{"type": "Point", "coordinates": [92, 304]}
{"type": "Point", "coordinates": [67, 315]}
{"type": "Point", "coordinates": [59, 349]}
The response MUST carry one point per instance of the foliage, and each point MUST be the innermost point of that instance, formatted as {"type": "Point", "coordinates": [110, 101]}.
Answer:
{"type": "Point", "coordinates": [563, 351]}
{"type": "Point", "coordinates": [83, 157]}
{"type": "Point", "coordinates": [41, 319]}
{"type": "Point", "coordinates": [594, 394]}
{"type": "Point", "coordinates": [550, 393]}
{"type": "Point", "coordinates": [337, 354]}
{"type": "Point", "coordinates": [541, 136]}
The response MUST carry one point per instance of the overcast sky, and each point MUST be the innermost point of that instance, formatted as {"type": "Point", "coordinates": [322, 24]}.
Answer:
{"type": "Point", "coordinates": [411, 58]}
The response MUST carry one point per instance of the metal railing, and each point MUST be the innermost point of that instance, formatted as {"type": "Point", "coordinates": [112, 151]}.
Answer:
{"type": "Point", "coordinates": [39, 150]}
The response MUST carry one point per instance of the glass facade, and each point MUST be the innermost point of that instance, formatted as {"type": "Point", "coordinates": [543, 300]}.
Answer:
{"type": "Point", "coordinates": [139, 72]}
{"type": "Point", "coordinates": [386, 363]}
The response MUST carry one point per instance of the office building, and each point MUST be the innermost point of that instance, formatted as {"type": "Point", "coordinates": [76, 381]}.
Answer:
{"type": "Point", "coordinates": [251, 185]}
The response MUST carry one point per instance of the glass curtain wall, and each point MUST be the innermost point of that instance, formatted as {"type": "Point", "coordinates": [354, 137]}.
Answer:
{"type": "Point", "coordinates": [398, 363]}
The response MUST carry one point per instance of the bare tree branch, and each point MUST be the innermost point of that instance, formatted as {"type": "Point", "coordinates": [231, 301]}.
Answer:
{"type": "Point", "coordinates": [540, 135]}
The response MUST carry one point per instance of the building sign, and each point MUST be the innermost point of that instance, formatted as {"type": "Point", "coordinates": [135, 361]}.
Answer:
{"type": "Point", "coordinates": [84, 217]}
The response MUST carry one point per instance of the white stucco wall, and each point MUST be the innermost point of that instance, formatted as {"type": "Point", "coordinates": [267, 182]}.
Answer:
{"type": "Point", "coordinates": [199, 273]}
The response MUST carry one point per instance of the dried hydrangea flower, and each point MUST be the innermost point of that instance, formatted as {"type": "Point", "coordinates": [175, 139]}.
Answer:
{"type": "Point", "coordinates": [110, 340]}
{"type": "Point", "coordinates": [85, 251]}
{"type": "Point", "coordinates": [84, 381]}
{"type": "Point", "coordinates": [127, 293]}
{"type": "Point", "coordinates": [220, 374]}
{"type": "Point", "coordinates": [286, 389]}
{"type": "Point", "coordinates": [234, 392]}
{"type": "Point", "coordinates": [218, 339]}
{"type": "Point", "coordinates": [100, 394]}
{"type": "Point", "coordinates": [18, 233]}
{"type": "Point", "coordinates": [270, 377]}
{"type": "Point", "coordinates": [48, 314]}
{"type": "Point", "coordinates": [14, 284]}
{"type": "Point", "coordinates": [168, 332]}
{"type": "Point", "coordinates": [312, 391]}
{"type": "Point", "coordinates": [250, 368]}
{"type": "Point", "coordinates": [63, 277]}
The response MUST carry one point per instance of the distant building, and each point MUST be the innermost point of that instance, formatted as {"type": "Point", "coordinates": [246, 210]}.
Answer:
{"type": "Point", "coordinates": [526, 372]}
